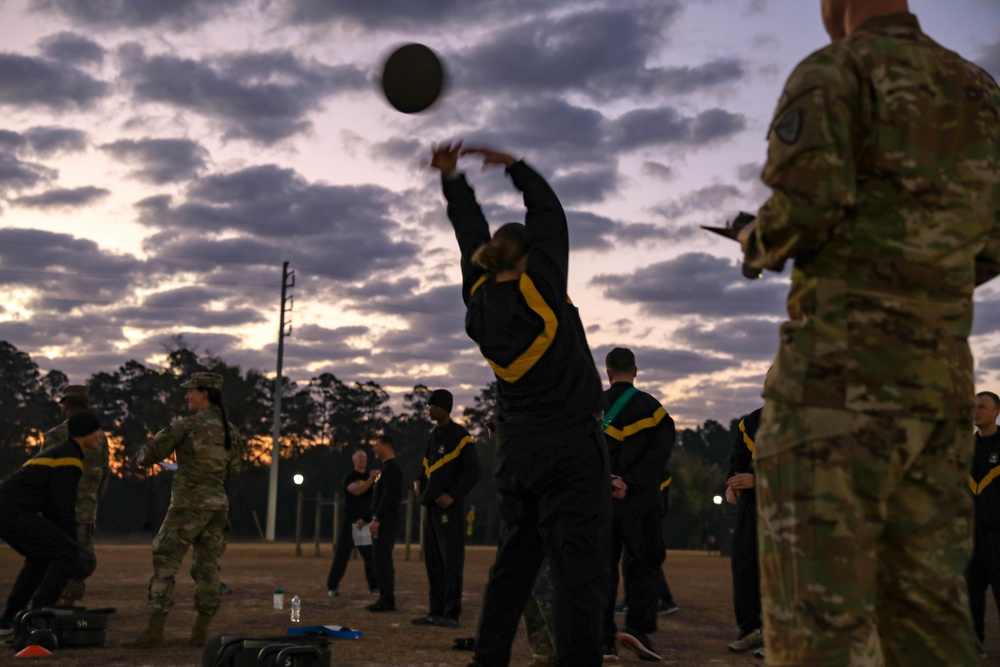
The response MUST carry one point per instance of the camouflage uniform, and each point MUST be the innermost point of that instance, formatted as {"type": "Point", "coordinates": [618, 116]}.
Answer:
{"type": "Point", "coordinates": [884, 161]}
{"type": "Point", "coordinates": [198, 513]}
{"type": "Point", "coordinates": [538, 618]}
{"type": "Point", "coordinates": [93, 484]}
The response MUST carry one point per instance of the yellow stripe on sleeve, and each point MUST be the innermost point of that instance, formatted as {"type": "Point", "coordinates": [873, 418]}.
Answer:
{"type": "Point", "coordinates": [632, 429]}
{"type": "Point", "coordinates": [748, 441]}
{"type": "Point", "coordinates": [55, 463]}
{"type": "Point", "coordinates": [666, 483]}
{"type": "Point", "coordinates": [447, 458]}
{"type": "Point", "coordinates": [990, 476]}
{"type": "Point", "coordinates": [516, 370]}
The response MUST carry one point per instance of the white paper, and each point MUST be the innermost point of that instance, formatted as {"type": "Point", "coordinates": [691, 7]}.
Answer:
{"type": "Point", "coordinates": [362, 536]}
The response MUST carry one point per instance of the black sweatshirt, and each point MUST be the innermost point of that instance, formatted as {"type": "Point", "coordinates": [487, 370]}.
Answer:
{"type": "Point", "coordinates": [451, 464]}
{"type": "Point", "coordinates": [744, 448]}
{"type": "Point", "coordinates": [388, 493]}
{"type": "Point", "coordinates": [528, 330]}
{"type": "Point", "coordinates": [46, 484]}
{"type": "Point", "coordinates": [985, 487]}
{"type": "Point", "coordinates": [640, 440]}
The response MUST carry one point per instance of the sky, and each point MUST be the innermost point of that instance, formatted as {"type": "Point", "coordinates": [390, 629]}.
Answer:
{"type": "Point", "coordinates": [160, 160]}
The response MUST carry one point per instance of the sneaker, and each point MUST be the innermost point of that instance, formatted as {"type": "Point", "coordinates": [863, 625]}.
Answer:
{"type": "Point", "coordinates": [447, 622]}
{"type": "Point", "coordinates": [426, 620]}
{"type": "Point", "coordinates": [6, 629]}
{"type": "Point", "coordinates": [224, 589]}
{"type": "Point", "coordinates": [373, 590]}
{"type": "Point", "coordinates": [752, 639]}
{"type": "Point", "coordinates": [759, 653]}
{"type": "Point", "coordinates": [667, 608]}
{"type": "Point", "coordinates": [334, 592]}
{"type": "Point", "coordinates": [638, 643]}
{"type": "Point", "coordinates": [621, 608]}
{"type": "Point", "coordinates": [381, 606]}
{"type": "Point", "coordinates": [610, 652]}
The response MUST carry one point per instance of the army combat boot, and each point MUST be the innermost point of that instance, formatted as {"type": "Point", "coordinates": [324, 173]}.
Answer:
{"type": "Point", "coordinates": [152, 636]}
{"type": "Point", "coordinates": [199, 632]}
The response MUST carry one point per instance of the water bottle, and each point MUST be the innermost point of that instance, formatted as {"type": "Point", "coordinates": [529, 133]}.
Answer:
{"type": "Point", "coordinates": [296, 609]}
{"type": "Point", "coordinates": [279, 598]}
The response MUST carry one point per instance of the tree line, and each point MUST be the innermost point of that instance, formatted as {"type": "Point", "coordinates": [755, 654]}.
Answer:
{"type": "Point", "coordinates": [322, 422]}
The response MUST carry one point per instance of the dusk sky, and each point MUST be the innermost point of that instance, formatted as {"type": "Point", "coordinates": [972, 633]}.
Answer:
{"type": "Point", "coordinates": [159, 160]}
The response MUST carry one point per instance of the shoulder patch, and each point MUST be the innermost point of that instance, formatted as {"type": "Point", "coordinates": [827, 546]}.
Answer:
{"type": "Point", "coordinates": [789, 128]}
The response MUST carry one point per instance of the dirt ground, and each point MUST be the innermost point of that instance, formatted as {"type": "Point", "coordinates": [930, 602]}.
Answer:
{"type": "Point", "coordinates": [697, 635]}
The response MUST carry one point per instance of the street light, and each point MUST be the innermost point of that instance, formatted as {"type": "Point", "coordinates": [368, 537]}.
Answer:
{"type": "Point", "coordinates": [298, 479]}
{"type": "Point", "coordinates": [717, 500]}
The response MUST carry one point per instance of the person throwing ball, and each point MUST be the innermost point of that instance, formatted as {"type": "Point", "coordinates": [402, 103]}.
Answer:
{"type": "Point", "coordinates": [552, 465]}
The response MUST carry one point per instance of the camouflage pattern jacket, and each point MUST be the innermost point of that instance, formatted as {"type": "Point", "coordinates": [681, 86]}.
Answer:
{"type": "Point", "coordinates": [96, 473]}
{"type": "Point", "coordinates": [884, 162]}
{"type": "Point", "coordinates": [204, 464]}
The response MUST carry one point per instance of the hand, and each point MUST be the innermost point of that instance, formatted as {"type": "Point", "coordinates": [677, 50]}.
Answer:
{"type": "Point", "coordinates": [372, 474]}
{"type": "Point", "coordinates": [490, 156]}
{"type": "Point", "coordinates": [359, 523]}
{"type": "Point", "coordinates": [741, 480]}
{"type": "Point", "coordinates": [731, 495]}
{"type": "Point", "coordinates": [444, 501]}
{"type": "Point", "coordinates": [373, 529]}
{"type": "Point", "coordinates": [444, 157]}
{"type": "Point", "coordinates": [744, 236]}
{"type": "Point", "coordinates": [618, 488]}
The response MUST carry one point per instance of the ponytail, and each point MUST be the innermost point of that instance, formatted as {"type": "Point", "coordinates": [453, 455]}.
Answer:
{"type": "Point", "coordinates": [215, 398]}
{"type": "Point", "coordinates": [505, 249]}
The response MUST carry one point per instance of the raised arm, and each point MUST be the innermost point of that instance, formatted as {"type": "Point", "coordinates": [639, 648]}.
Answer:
{"type": "Point", "coordinates": [464, 212]}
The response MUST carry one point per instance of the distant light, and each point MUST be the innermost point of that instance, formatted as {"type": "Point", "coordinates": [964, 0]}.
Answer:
{"type": "Point", "coordinates": [298, 479]}
{"type": "Point", "coordinates": [717, 499]}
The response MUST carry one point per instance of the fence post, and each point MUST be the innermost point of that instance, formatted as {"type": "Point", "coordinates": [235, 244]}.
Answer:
{"type": "Point", "coordinates": [336, 522]}
{"type": "Point", "coordinates": [409, 522]}
{"type": "Point", "coordinates": [319, 515]}
{"type": "Point", "coordinates": [298, 524]}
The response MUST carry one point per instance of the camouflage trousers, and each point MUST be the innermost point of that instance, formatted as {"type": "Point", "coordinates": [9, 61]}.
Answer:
{"type": "Point", "coordinates": [538, 618]}
{"type": "Point", "coordinates": [75, 588]}
{"type": "Point", "coordinates": [864, 524]}
{"type": "Point", "coordinates": [206, 531]}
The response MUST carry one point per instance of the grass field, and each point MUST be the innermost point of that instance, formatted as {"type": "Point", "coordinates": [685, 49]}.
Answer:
{"type": "Point", "coordinates": [697, 635]}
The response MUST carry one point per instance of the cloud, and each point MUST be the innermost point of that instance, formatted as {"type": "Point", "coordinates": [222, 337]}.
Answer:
{"type": "Point", "coordinates": [65, 198]}
{"type": "Point", "coordinates": [665, 126]}
{"type": "Point", "coordinates": [175, 14]}
{"type": "Point", "coordinates": [18, 175]}
{"type": "Point", "coordinates": [64, 272]}
{"type": "Point", "coordinates": [581, 186]}
{"type": "Point", "coordinates": [50, 141]}
{"type": "Point", "coordinates": [658, 170]}
{"type": "Point", "coordinates": [663, 365]}
{"type": "Point", "coordinates": [27, 82]}
{"type": "Point", "coordinates": [260, 97]}
{"type": "Point", "coordinates": [710, 198]}
{"type": "Point", "coordinates": [743, 338]}
{"type": "Point", "coordinates": [695, 284]}
{"type": "Point", "coordinates": [160, 161]}
{"type": "Point", "coordinates": [344, 233]}
{"type": "Point", "coordinates": [989, 59]}
{"type": "Point", "coordinates": [70, 48]}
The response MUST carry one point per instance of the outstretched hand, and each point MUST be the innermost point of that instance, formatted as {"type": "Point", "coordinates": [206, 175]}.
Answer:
{"type": "Point", "coordinates": [444, 157]}
{"type": "Point", "coordinates": [490, 156]}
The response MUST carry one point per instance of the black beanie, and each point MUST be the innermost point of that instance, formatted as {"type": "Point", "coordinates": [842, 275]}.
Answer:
{"type": "Point", "coordinates": [441, 398]}
{"type": "Point", "coordinates": [83, 423]}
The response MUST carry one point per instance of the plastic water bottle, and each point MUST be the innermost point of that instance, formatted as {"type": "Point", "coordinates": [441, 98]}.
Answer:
{"type": "Point", "coordinates": [296, 609]}
{"type": "Point", "coordinates": [279, 598]}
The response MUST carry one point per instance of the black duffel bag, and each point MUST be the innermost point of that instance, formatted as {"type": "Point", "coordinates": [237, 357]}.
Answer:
{"type": "Point", "coordinates": [230, 650]}
{"type": "Point", "coordinates": [72, 626]}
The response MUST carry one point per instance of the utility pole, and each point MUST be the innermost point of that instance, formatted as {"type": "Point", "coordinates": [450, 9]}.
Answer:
{"type": "Point", "coordinates": [287, 281]}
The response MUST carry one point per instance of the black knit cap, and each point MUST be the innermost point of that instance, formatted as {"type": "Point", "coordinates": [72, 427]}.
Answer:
{"type": "Point", "coordinates": [83, 423]}
{"type": "Point", "coordinates": [441, 398]}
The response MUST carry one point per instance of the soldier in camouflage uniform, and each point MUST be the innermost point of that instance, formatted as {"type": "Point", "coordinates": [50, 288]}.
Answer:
{"type": "Point", "coordinates": [209, 453]}
{"type": "Point", "coordinates": [93, 481]}
{"type": "Point", "coordinates": [884, 161]}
